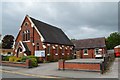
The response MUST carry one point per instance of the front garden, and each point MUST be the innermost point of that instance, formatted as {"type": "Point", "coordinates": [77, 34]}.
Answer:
{"type": "Point", "coordinates": [28, 61]}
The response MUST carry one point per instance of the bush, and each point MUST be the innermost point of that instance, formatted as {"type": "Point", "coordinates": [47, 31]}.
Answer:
{"type": "Point", "coordinates": [12, 59]}
{"type": "Point", "coordinates": [37, 58]}
{"type": "Point", "coordinates": [34, 62]}
{"type": "Point", "coordinates": [24, 58]}
{"type": "Point", "coordinates": [5, 58]}
{"type": "Point", "coordinates": [17, 60]}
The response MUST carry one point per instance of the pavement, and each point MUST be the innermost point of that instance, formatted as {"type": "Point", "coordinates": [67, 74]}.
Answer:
{"type": "Point", "coordinates": [50, 70]}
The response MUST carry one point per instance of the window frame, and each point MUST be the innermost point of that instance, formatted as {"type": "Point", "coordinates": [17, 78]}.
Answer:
{"type": "Point", "coordinates": [48, 50]}
{"type": "Point", "coordinates": [84, 52]}
{"type": "Point", "coordinates": [95, 50]}
{"type": "Point", "coordinates": [28, 35]}
{"type": "Point", "coordinates": [23, 36]}
{"type": "Point", "coordinates": [63, 50]}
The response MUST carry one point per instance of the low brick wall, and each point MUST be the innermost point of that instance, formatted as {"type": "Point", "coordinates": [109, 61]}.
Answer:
{"type": "Point", "coordinates": [26, 64]}
{"type": "Point", "coordinates": [62, 65]}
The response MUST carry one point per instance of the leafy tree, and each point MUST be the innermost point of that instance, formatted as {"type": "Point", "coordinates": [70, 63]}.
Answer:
{"type": "Point", "coordinates": [113, 40]}
{"type": "Point", "coordinates": [7, 41]}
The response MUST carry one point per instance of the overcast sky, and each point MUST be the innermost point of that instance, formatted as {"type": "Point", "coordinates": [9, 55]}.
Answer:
{"type": "Point", "coordinates": [78, 20]}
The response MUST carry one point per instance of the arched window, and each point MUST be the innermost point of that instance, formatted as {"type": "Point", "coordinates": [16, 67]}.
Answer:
{"type": "Point", "coordinates": [26, 35]}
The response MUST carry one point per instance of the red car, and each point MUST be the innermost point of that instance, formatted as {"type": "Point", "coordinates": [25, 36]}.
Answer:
{"type": "Point", "coordinates": [117, 51]}
{"type": "Point", "coordinates": [117, 54]}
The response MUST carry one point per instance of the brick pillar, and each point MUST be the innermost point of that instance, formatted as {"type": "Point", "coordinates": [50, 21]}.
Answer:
{"type": "Point", "coordinates": [28, 63]}
{"type": "Point", "coordinates": [102, 67]}
{"type": "Point", "coordinates": [61, 64]}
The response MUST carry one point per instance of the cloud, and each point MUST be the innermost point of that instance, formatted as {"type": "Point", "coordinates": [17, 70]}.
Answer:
{"type": "Point", "coordinates": [77, 20]}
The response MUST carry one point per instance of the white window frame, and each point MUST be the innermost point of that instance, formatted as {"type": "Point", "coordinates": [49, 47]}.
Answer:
{"type": "Point", "coordinates": [96, 50]}
{"type": "Point", "coordinates": [84, 52]}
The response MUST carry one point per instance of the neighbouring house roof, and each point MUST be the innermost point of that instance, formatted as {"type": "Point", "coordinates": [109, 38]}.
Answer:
{"type": "Point", "coordinates": [89, 43]}
{"type": "Point", "coordinates": [6, 50]}
{"type": "Point", "coordinates": [51, 34]}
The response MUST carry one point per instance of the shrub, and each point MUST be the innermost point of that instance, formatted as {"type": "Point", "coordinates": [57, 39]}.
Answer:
{"type": "Point", "coordinates": [12, 59]}
{"type": "Point", "coordinates": [31, 56]}
{"type": "Point", "coordinates": [37, 58]}
{"type": "Point", "coordinates": [24, 58]}
{"type": "Point", "coordinates": [17, 60]}
{"type": "Point", "coordinates": [5, 58]}
{"type": "Point", "coordinates": [34, 62]}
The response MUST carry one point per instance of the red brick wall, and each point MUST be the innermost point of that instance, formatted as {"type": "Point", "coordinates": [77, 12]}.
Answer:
{"type": "Point", "coordinates": [79, 66]}
{"type": "Point", "coordinates": [26, 64]}
{"type": "Point", "coordinates": [82, 66]}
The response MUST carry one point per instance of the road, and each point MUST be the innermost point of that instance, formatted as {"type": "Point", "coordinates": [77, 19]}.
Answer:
{"type": "Point", "coordinates": [13, 75]}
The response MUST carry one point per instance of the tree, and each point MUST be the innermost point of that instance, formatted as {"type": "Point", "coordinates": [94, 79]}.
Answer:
{"type": "Point", "coordinates": [113, 40]}
{"type": "Point", "coordinates": [7, 41]}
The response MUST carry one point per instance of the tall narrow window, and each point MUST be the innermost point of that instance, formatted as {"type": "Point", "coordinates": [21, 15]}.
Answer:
{"type": "Point", "coordinates": [63, 51]}
{"type": "Point", "coordinates": [37, 46]}
{"type": "Point", "coordinates": [48, 50]}
{"type": "Point", "coordinates": [28, 34]}
{"type": "Point", "coordinates": [56, 51]}
{"type": "Point", "coordinates": [23, 36]}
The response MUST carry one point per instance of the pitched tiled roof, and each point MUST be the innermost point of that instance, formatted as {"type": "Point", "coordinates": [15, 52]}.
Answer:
{"type": "Point", "coordinates": [51, 34]}
{"type": "Point", "coordinates": [89, 43]}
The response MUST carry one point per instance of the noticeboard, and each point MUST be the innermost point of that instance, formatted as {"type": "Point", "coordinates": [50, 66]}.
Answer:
{"type": "Point", "coordinates": [40, 53]}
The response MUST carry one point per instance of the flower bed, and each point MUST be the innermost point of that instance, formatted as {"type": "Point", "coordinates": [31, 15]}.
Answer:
{"type": "Point", "coordinates": [25, 61]}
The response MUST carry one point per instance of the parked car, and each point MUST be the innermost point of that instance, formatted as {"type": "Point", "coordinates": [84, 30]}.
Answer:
{"type": "Point", "coordinates": [117, 51]}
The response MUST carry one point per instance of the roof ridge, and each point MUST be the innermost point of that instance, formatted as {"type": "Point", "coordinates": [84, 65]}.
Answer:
{"type": "Point", "coordinates": [91, 38]}
{"type": "Point", "coordinates": [44, 22]}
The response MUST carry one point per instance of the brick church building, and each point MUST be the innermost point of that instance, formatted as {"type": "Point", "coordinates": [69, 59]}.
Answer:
{"type": "Point", "coordinates": [42, 40]}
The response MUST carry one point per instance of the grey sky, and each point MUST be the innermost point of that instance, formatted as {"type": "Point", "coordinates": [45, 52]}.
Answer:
{"type": "Point", "coordinates": [77, 20]}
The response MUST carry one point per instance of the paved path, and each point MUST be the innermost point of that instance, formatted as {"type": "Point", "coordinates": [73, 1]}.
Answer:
{"type": "Point", "coordinates": [50, 70]}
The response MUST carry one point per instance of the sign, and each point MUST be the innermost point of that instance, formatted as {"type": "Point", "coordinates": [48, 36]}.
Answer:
{"type": "Point", "coordinates": [40, 53]}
